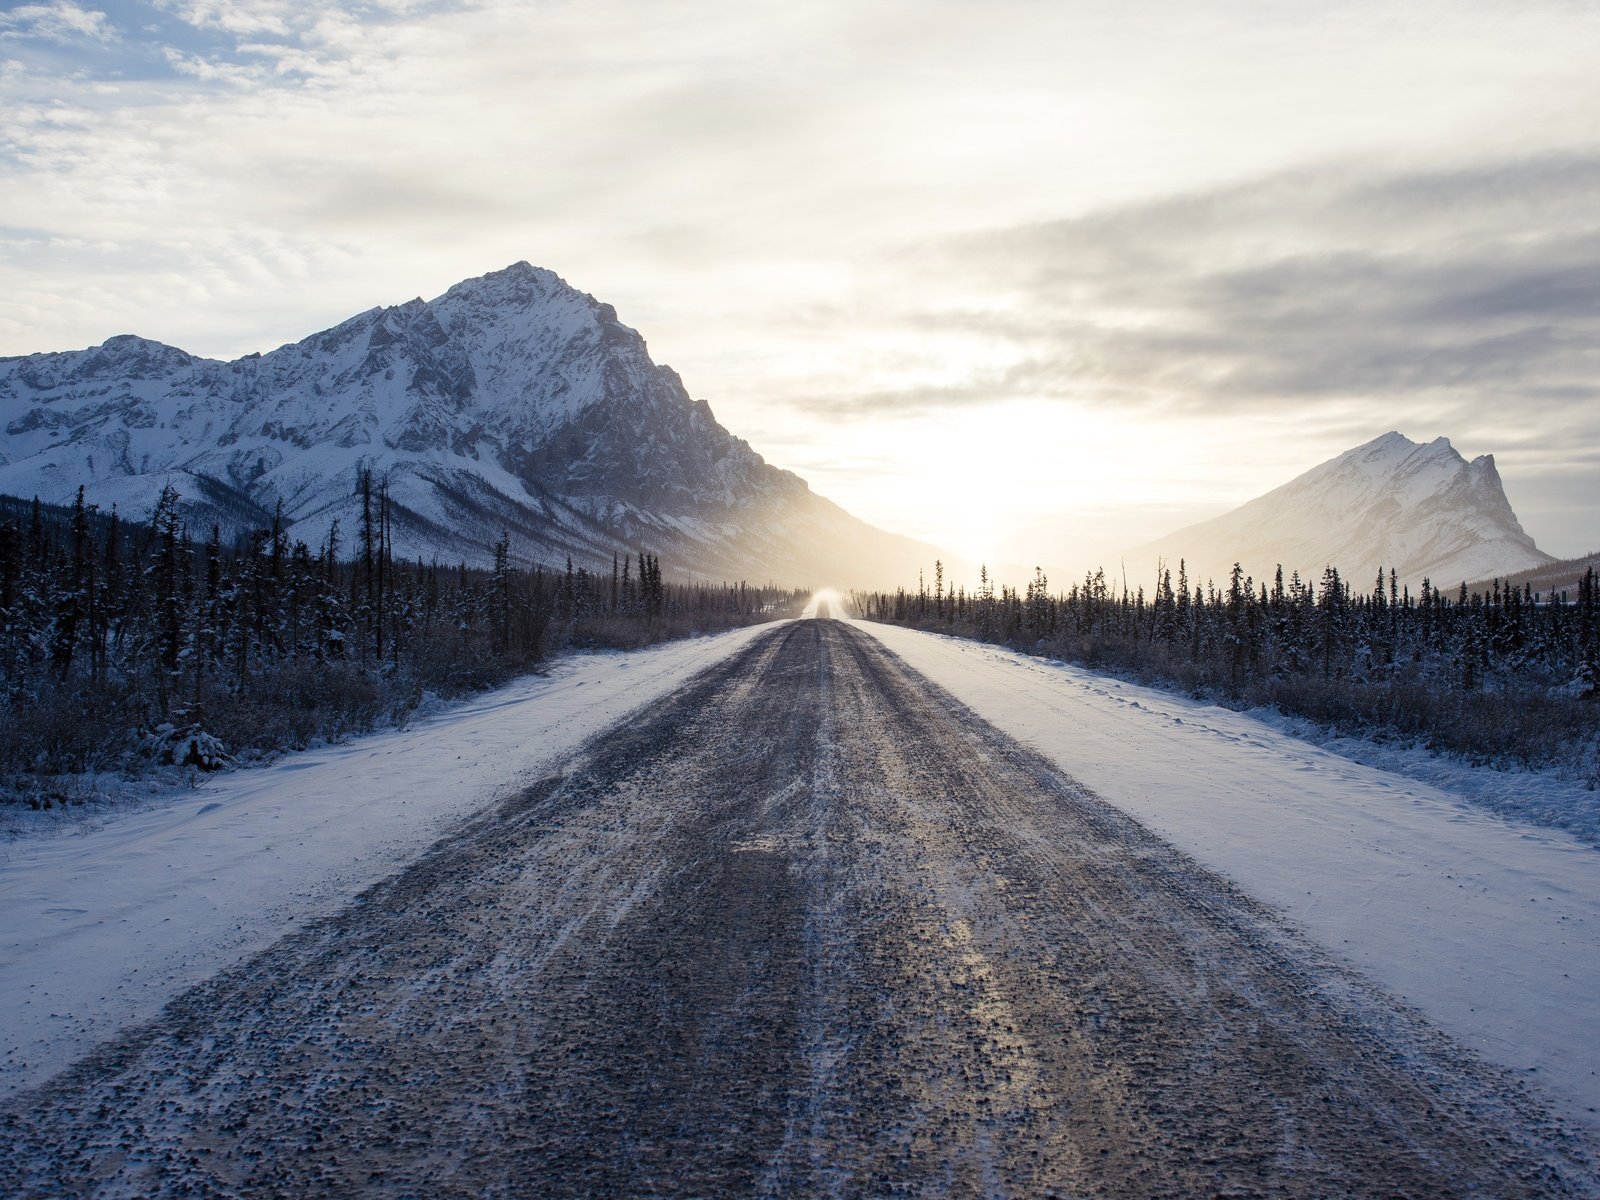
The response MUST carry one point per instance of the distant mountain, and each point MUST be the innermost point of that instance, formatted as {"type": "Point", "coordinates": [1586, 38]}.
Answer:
{"type": "Point", "coordinates": [1548, 580]}
{"type": "Point", "coordinates": [513, 402]}
{"type": "Point", "coordinates": [1423, 510]}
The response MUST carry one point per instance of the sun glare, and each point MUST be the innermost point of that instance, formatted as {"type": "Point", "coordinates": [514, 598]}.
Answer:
{"type": "Point", "coordinates": [967, 479]}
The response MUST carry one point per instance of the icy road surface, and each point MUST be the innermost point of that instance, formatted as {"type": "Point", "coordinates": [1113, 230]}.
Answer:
{"type": "Point", "coordinates": [99, 931]}
{"type": "Point", "coordinates": [807, 926]}
{"type": "Point", "coordinates": [1490, 927]}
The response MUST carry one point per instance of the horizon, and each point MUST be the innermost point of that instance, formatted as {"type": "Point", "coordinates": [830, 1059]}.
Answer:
{"type": "Point", "coordinates": [1034, 285]}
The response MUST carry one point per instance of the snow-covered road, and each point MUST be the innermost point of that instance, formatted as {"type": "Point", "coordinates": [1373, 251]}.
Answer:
{"type": "Point", "coordinates": [1491, 929]}
{"type": "Point", "coordinates": [806, 927]}
{"type": "Point", "coordinates": [102, 929]}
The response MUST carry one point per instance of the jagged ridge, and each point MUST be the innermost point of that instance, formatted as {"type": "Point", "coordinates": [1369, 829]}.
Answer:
{"type": "Point", "coordinates": [1423, 510]}
{"type": "Point", "coordinates": [512, 401]}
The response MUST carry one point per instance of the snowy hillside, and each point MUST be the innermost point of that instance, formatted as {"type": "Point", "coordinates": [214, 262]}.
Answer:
{"type": "Point", "coordinates": [512, 401]}
{"type": "Point", "coordinates": [1423, 510]}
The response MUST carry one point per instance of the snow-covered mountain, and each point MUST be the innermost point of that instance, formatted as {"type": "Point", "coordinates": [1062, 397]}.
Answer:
{"type": "Point", "coordinates": [1423, 510]}
{"type": "Point", "coordinates": [513, 401]}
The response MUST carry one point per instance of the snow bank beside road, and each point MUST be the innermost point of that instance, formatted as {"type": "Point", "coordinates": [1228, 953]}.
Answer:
{"type": "Point", "coordinates": [1491, 929]}
{"type": "Point", "coordinates": [101, 930]}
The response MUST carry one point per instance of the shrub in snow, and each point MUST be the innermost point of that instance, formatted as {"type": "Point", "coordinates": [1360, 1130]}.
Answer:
{"type": "Point", "coordinates": [1587, 685]}
{"type": "Point", "coordinates": [190, 747]}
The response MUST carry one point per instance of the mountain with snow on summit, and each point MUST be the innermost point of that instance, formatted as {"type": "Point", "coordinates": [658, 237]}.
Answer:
{"type": "Point", "coordinates": [1422, 510]}
{"type": "Point", "coordinates": [513, 402]}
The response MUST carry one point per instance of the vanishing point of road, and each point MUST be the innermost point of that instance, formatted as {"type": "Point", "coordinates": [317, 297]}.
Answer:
{"type": "Point", "coordinates": [807, 927]}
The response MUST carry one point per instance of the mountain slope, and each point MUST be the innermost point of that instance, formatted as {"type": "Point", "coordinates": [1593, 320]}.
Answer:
{"type": "Point", "coordinates": [1550, 579]}
{"type": "Point", "coordinates": [1423, 510]}
{"type": "Point", "coordinates": [513, 402]}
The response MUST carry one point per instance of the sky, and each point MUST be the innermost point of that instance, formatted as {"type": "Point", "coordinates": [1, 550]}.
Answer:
{"type": "Point", "coordinates": [1034, 281]}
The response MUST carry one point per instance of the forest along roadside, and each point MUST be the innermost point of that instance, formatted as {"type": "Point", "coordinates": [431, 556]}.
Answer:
{"type": "Point", "coordinates": [808, 925]}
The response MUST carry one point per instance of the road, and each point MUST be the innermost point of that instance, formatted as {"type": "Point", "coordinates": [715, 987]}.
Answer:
{"type": "Point", "coordinates": [808, 927]}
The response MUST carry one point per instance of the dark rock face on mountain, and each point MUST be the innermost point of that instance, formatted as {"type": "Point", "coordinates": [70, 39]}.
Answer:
{"type": "Point", "coordinates": [1423, 510]}
{"type": "Point", "coordinates": [512, 402]}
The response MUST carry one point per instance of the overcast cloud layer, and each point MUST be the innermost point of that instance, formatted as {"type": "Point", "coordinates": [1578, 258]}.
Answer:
{"type": "Point", "coordinates": [1016, 276]}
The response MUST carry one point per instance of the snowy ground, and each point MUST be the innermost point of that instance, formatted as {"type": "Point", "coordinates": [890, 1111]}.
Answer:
{"type": "Point", "coordinates": [1490, 928]}
{"type": "Point", "coordinates": [806, 927]}
{"type": "Point", "coordinates": [1555, 799]}
{"type": "Point", "coordinates": [102, 929]}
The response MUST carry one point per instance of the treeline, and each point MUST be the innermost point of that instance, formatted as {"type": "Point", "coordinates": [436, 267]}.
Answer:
{"type": "Point", "coordinates": [1488, 676]}
{"type": "Point", "coordinates": [123, 643]}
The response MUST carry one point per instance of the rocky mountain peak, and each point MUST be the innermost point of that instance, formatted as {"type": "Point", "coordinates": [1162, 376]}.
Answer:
{"type": "Point", "coordinates": [1419, 508]}
{"type": "Point", "coordinates": [513, 401]}
{"type": "Point", "coordinates": [520, 286]}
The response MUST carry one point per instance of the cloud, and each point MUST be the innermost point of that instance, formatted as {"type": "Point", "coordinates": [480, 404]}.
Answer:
{"type": "Point", "coordinates": [1480, 285]}
{"type": "Point", "coordinates": [1313, 308]}
{"type": "Point", "coordinates": [242, 18]}
{"type": "Point", "coordinates": [60, 21]}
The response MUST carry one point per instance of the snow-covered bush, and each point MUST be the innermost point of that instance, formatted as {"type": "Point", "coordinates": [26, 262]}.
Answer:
{"type": "Point", "coordinates": [188, 747]}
